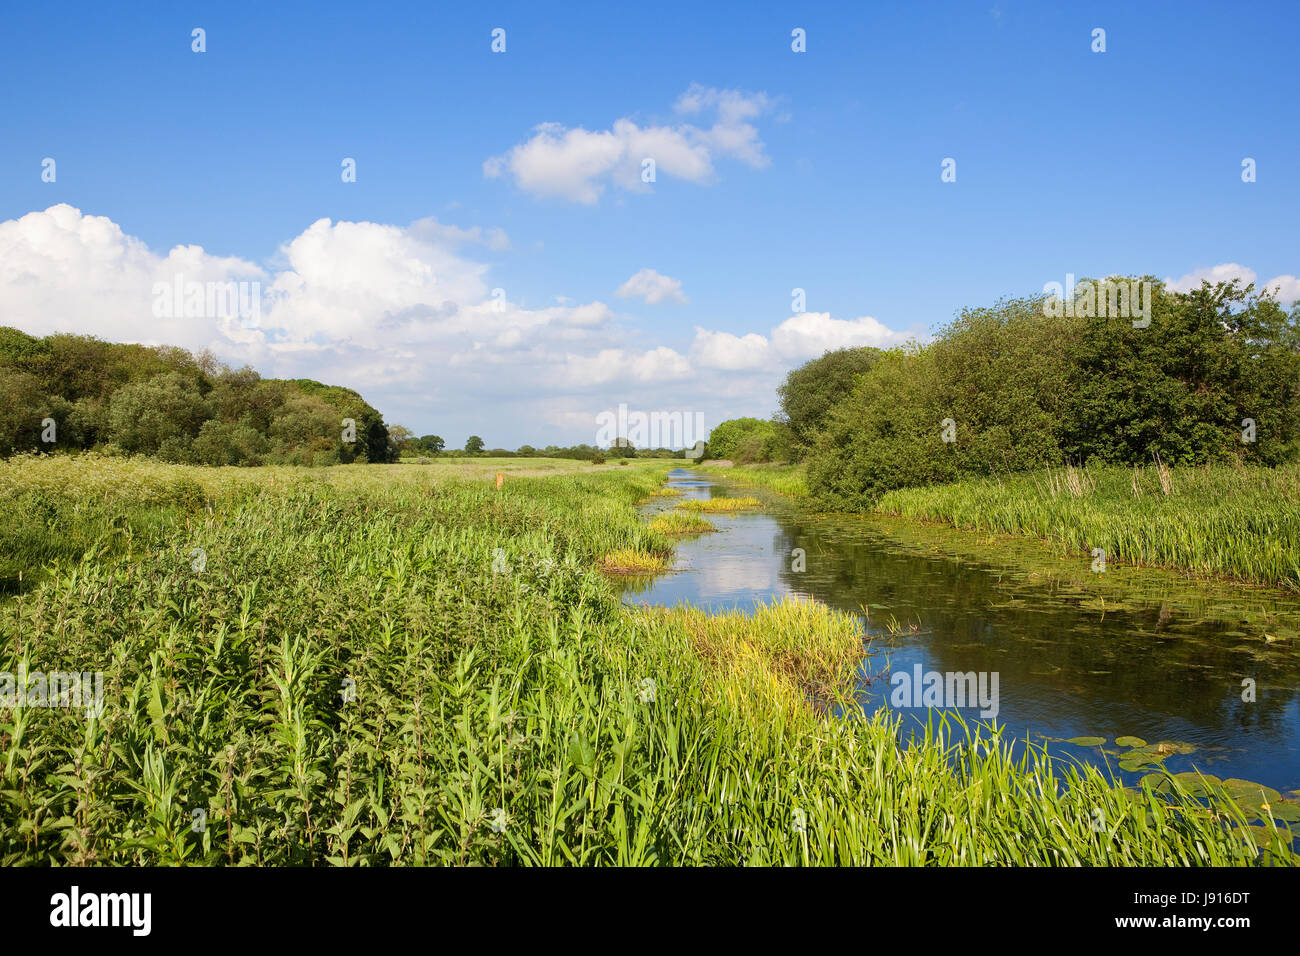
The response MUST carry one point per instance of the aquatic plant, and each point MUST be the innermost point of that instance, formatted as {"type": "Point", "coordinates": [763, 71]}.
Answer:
{"type": "Point", "coordinates": [397, 666]}
{"type": "Point", "coordinates": [719, 504]}
{"type": "Point", "coordinates": [679, 523]}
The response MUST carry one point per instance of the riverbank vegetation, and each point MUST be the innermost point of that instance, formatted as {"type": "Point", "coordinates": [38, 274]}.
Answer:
{"type": "Point", "coordinates": [348, 666]}
{"type": "Point", "coordinates": [1171, 439]}
{"type": "Point", "coordinates": [1203, 377]}
{"type": "Point", "coordinates": [787, 479]}
{"type": "Point", "coordinates": [1237, 522]}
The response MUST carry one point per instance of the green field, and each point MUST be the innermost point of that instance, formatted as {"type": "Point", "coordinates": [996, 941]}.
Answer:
{"type": "Point", "coordinates": [377, 665]}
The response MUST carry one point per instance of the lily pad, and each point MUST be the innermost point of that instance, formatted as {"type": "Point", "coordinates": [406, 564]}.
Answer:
{"type": "Point", "coordinates": [1262, 836]}
{"type": "Point", "coordinates": [1143, 757]}
{"type": "Point", "coordinates": [1166, 747]}
{"type": "Point", "coordinates": [1199, 784]}
{"type": "Point", "coordinates": [1158, 782]}
{"type": "Point", "coordinates": [1130, 742]}
{"type": "Point", "coordinates": [1086, 741]}
{"type": "Point", "coordinates": [1251, 796]}
{"type": "Point", "coordinates": [1287, 810]}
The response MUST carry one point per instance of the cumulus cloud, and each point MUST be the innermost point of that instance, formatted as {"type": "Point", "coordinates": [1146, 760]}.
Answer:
{"type": "Point", "coordinates": [61, 271]}
{"type": "Point", "coordinates": [408, 317]}
{"type": "Point", "coordinates": [1285, 287]}
{"type": "Point", "coordinates": [400, 313]}
{"type": "Point", "coordinates": [727, 352]}
{"type": "Point", "coordinates": [653, 287]}
{"type": "Point", "coordinates": [1224, 272]}
{"type": "Point", "coordinates": [800, 337]}
{"type": "Point", "coordinates": [576, 164]}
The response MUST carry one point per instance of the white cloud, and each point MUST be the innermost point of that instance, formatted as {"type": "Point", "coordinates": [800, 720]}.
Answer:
{"type": "Point", "coordinates": [1286, 287]}
{"type": "Point", "coordinates": [809, 334]}
{"type": "Point", "coordinates": [575, 163]}
{"type": "Point", "coordinates": [61, 271]}
{"type": "Point", "coordinates": [1224, 272]}
{"type": "Point", "coordinates": [727, 352]}
{"type": "Point", "coordinates": [653, 287]}
{"type": "Point", "coordinates": [799, 338]}
{"type": "Point", "coordinates": [404, 316]}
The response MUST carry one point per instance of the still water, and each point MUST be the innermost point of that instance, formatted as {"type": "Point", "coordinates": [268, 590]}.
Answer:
{"type": "Point", "coordinates": [1124, 653]}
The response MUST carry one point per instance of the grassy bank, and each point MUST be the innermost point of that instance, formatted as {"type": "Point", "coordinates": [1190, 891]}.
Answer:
{"type": "Point", "coordinates": [1242, 523]}
{"type": "Point", "coordinates": [403, 666]}
{"type": "Point", "coordinates": [784, 479]}
{"type": "Point", "coordinates": [1232, 522]}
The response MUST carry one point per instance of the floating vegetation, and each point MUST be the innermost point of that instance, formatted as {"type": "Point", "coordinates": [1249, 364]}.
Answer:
{"type": "Point", "coordinates": [678, 523]}
{"type": "Point", "coordinates": [632, 561]}
{"type": "Point", "coordinates": [1086, 741]}
{"type": "Point", "coordinates": [720, 504]}
{"type": "Point", "coordinates": [1254, 800]}
{"type": "Point", "coordinates": [1130, 742]}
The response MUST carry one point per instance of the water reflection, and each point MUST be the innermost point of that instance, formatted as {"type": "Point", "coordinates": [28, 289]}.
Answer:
{"type": "Point", "coordinates": [1161, 662]}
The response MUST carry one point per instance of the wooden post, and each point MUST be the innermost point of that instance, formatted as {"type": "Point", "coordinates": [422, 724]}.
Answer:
{"type": "Point", "coordinates": [501, 479]}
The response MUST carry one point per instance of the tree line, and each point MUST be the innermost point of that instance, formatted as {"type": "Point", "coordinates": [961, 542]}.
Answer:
{"type": "Point", "coordinates": [1210, 375]}
{"type": "Point", "coordinates": [76, 392]}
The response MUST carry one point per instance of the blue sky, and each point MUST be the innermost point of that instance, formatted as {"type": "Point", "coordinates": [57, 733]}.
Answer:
{"type": "Point", "coordinates": [817, 170]}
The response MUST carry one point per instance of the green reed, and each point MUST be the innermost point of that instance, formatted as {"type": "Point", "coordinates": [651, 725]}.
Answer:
{"type": "Point", "coordinates": [1227, 521]}
{"type": "Point", "coordinates": [390, 666]}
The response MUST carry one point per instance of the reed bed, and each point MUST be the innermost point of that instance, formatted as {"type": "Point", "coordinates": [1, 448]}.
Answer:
{"type": "Point", "coordinates": [377, 669]}
{"type": "Point", "coordinates": [1236, 522]}
{"type": "Point", "coordinates": [633, 561]}
{"type": "Point", "coordinates": [719, 505]}
{"type": "Point", "coordinates": [673, 523]}
{"type": "Point", "coordinates": [784, 479]}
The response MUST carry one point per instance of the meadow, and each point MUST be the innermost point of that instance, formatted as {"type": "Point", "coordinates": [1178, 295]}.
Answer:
{"type": "Point", "coordinates": [403, 665]}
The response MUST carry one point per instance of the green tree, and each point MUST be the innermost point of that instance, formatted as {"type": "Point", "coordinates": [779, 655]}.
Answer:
{"type": "Point", "coordinates": [23, 406]}
{"type": "Point", "coordinates": [228, 443]}
{"type": "Point", "coordinates": [430, 444]}
{"type": "Point", "coordinates": [1182, 386]}
{"type": "Point", "coordinates": [743, 440]}
{"type": "Point", "coordinates": [994, 382]}
{"type": "Point", "coordinates": [166, 410]}
{"type": "Point", "coordinates": [810, 391]}
{"type": "Point", "coordinates": [473, 445]}
{"type": "Point", "coordinates": [400, 438]}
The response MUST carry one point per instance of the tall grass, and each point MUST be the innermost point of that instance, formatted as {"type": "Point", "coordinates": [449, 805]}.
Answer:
{"type": "Point", "coordinates": [719, 504]}
{"type": "Point", "coordinates": [784, 479]}
{"type": "Point", "coordinates": [1229, 521]}
{"type": "Point", "coordinates": [381, 666]}
{"type": "Point", "coordinates": [680, 523]}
